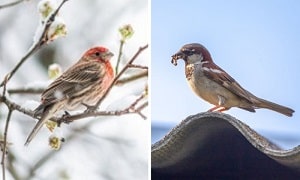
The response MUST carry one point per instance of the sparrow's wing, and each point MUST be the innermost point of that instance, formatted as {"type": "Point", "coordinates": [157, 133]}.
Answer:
{"type": "Point", "coordinates": [218, 75]}
{"type": "Point", "coordinates": [73, 81]}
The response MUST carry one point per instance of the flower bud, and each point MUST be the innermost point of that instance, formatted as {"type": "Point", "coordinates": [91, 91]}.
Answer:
{"type": "Point", "coordinates": [46, 7]}
{"type": "Point", "coordinates": [57, 29]}
{"type": "Point", "coordinates": [55, 142]}
{"type": "Point", "coordinates": [54, 71]}
{"type": "Point", "coordinates": [126, 32]}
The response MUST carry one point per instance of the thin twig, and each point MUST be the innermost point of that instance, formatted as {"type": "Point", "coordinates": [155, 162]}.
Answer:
{"type": "Point", "coordinates": [132, 78]}
{"type": "Point", "coordinates": [141, 49]}
{"type": "Point", "coordinates": [10, 4]}
{"type": "Point", "coordinates": [139, 109]}
{"type": "Point", "coordinates": [5, 143]}
{"type": "Point", "coordinates": [129, 110]}
{"type": "Point", "coordinates": [14, 106]}
{"type": "Point", "coordinates": [43, 39]}
{"type": "Point", "coordinates": [138, 66]}
{"type": "Point", "coordinates": [80, 116]}
{"type": "Point", "coordinates": [119, 55]}
{"type": "Point", "coordinates": [133, 106]}
{"type": "Point", "coordinates": [26, 91]}
{"type": "Point", "coordinates": [4, 87]}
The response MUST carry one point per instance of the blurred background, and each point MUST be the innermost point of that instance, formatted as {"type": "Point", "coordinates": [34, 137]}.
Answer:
{"type": "Point", "coordinates": [113, 147]}
{"type": "Point", "coordinates": [256, 42]}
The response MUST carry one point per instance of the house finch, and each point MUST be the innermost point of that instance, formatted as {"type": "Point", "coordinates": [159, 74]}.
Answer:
{"type": "Point", "coordinates": [214, 85]}
{"type": "Point", "coordinates": [82, 84]}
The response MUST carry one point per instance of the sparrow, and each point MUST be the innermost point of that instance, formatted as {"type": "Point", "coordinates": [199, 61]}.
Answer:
{"type": "Point", "coordinates": [214, 85]}
{"type": "Point", "coordinates": [83, 84]}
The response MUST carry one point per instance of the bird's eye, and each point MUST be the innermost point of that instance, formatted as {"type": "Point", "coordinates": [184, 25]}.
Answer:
{"type": "Point", "coordinates": [188, 52]}
{"type": "Point", "coordinates": [97, 54]}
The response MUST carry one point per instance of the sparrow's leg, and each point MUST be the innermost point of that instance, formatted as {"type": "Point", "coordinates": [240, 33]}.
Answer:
{"type": "Point", "coordinates": [218, 108]}
{"type": "Point", "coordinates": [213, 109]}
{"type": "Point", "coordinates": [222, 109]}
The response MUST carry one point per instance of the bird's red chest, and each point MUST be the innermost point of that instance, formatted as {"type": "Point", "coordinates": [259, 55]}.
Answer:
{"type": "Point", "coordinates": [109, 76]}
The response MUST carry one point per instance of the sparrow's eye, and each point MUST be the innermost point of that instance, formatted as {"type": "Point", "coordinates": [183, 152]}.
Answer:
{"type": "Point", "coordinates": [188, 52]}
{"type": "Point", "coordinates": [97, 54]}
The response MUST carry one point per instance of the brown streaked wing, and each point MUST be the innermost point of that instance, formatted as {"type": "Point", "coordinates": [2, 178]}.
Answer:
{"type": "Point", "coordinates": [228, 82]}
{"type": "Point", "coordinates": [80, 76]}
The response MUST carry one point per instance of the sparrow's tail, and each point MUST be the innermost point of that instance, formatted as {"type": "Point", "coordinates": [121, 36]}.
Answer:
{"type": "Point", "coordinates": [275, 107]}
{"type": "Point", "coordinates": [45, 115]}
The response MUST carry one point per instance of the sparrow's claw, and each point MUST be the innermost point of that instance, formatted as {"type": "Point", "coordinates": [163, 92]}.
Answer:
{"type": "Point", "coordinates": [218, 108]}
{"type": "Point", "coordinates": [213, 109]}
{"type": "Point", "coordinates": [222, 109]}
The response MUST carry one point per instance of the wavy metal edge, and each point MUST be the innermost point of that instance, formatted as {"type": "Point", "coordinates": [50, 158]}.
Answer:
{"type": "Point", "coordinates": [167, 151]}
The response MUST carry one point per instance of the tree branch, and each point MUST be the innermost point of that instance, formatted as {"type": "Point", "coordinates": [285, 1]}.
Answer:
{"type": "Point", "coordinates": [120, 55]}
{"type": "Point", "coordinates": [42, 40]}
{"type": "Point", "coordinates": [131, 109]}
{"type": "Point", "coordinates": [4, 147]}
{"type": "Point", "coordinates": [10, 4]}
{"type": "Point", "coordinates": [138, 66]}
{"type": "Point", "coordinates": [13, 106]}
{"type": "Point", "coordinates": [26, 91]}
{"type": "Point", "coordinates": [132, 78]}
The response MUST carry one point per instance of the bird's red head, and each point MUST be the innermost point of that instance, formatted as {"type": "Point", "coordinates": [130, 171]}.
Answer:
{"type": "Point", "coordinates": [98, 53]}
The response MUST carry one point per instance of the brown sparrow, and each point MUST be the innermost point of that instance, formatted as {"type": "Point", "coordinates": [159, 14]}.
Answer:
{"type": "Point", "coordinates": [215, 86]}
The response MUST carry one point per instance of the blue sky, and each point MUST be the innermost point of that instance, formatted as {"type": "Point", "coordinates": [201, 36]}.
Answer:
{"type": "Point", "coordinates": [256, 42]}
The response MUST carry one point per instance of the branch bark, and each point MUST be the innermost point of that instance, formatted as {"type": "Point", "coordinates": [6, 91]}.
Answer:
{"type": "Point", "coordinates": [43, 39]}
{"type": "Point", "coordinates": [10, 4]}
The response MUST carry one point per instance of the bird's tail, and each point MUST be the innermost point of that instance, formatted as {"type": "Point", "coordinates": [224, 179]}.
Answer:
{"type": "Point", "coordinates": [47, 114]}
{"type": "Point", "coordinates": [275, 107]}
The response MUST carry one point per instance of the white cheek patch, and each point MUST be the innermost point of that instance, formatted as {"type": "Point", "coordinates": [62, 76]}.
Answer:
{"type": "Point", "coordinates": [195, 59]}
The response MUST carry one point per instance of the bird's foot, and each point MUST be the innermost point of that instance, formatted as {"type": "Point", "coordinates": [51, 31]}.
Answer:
{"type": "Point", "coordinates": [64, 119]}
{"type": "Point", "coordinates": [218, 108]}
{"type": "Point", "coordinates": [89, 108]}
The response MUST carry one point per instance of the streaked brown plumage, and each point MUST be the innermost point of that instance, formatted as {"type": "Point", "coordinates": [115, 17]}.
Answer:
{"type": "Point", "coordinates": [82, 84]}
{"type": "Point", "coordinates": [215, 86]}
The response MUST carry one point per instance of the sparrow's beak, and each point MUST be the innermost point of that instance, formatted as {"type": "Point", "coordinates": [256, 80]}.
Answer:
{"type": "Point", "coordinates": [177, 56]}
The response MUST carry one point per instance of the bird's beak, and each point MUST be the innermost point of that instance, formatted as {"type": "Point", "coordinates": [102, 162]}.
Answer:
{"type": "Point", "coordinates": [177, 56]}
{"type": "Point", "coordinates": [109, 54]}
